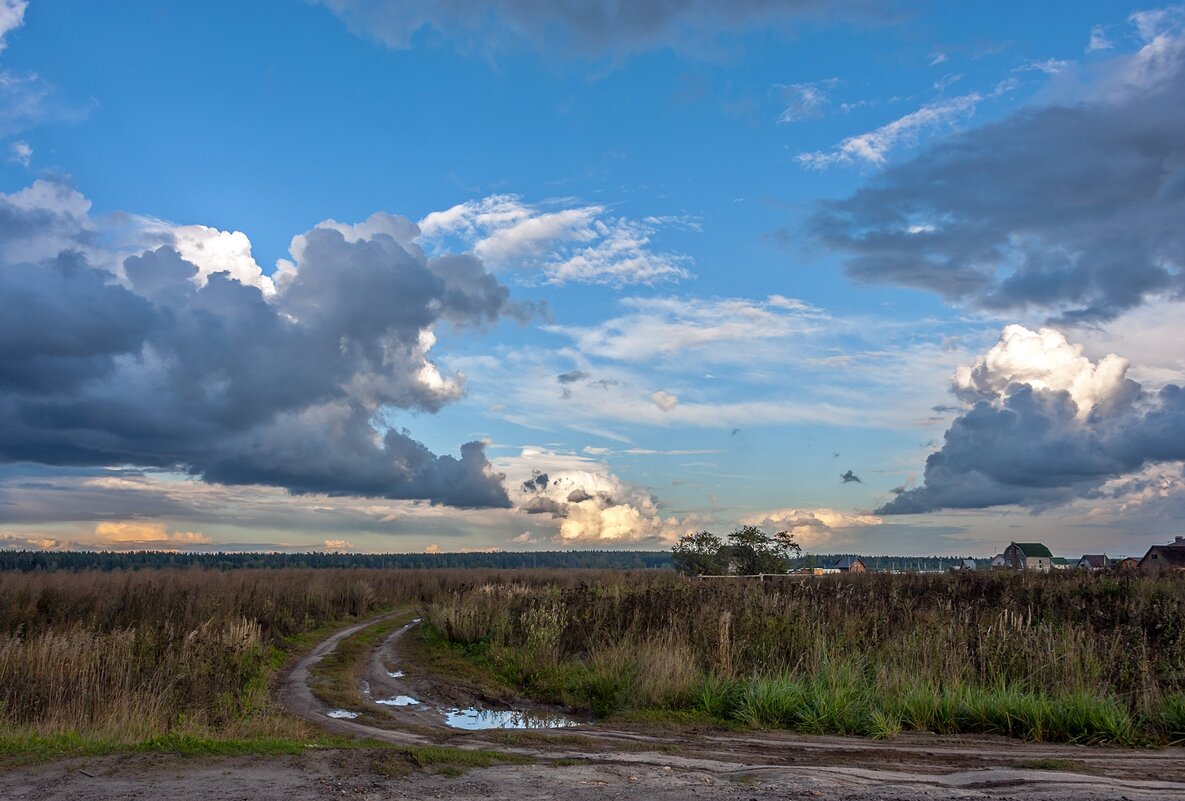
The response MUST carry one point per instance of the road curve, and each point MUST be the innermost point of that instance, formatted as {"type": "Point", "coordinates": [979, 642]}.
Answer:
{"type": "Point", "coordinates": [927, 764]}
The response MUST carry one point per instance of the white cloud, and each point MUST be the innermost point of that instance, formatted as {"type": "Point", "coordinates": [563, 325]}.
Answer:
{"type": "Point", "coordinates": [21, 153]}
{"type": "Point", "coordinates": [12, 16]}
{"type": "Point", "coordinates": [1049, 66]}
{"type": "Point", "coordinates": [665, 400]}
{"type": "Point", "coordinates": [810, 527]}
{"type": "Point", "coordinates": [338, 545]}
{"type": "Point", "coordinates": [585, 503]}
{"type": "Point", "coordinates": [938, 57]}
{"type": "Point", "coordinates": [1045, 361]}
{"type": "Point", "coordinates": [1098, 40]}
{"type": "Point", "coordinates": [714, 327]}
{"type": "Point", "coordinates": [804, 100]}
{"type": "Point", "coordinates": [576, 244]}
{"type": "Point", "coordinates": [874, 146]}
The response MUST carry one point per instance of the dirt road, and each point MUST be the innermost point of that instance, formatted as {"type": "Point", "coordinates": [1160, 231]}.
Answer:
{"type": "Point", "coordinates": [596, 762]}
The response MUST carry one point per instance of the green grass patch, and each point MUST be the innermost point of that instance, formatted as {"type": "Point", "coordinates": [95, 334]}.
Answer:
{"type": "Point", "coordinates": [72, 744]}
{"type": "Point", "coordinates": [1062, 765]}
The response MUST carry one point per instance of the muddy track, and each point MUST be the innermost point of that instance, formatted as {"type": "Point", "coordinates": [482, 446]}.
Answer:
{"type": "Point", "coordinates": [923, 763]}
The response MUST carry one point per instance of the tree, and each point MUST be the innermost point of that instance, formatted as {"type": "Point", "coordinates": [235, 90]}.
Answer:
{"type": "Point", "coordinates": [749, 551]}
{"type": "Point", "coordinates": [699, 554]}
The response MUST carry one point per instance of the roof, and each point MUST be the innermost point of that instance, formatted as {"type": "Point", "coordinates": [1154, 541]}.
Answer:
{"type": "Point", "coordinates": [1171, 555]}
{"type": "Point", "coordinates": [1031, 550]}
{"type": "Point", "coordinates": [1094, 559]}
{"type": "Point", "coordinates": [846, 562]}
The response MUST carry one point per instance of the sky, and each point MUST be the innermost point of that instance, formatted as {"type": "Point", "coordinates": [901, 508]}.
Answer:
{"type": "Point", "coordinates": [367, 275]}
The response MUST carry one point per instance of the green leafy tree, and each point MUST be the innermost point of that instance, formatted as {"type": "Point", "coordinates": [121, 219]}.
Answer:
{"type": "Point", "coordinates": [748, 551]}
{"type": "Point", "coordinates": [699, 554]}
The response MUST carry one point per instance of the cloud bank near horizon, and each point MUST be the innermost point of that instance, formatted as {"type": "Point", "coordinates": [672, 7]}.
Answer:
{"type": "Point", "coordinates": [1045, 426]}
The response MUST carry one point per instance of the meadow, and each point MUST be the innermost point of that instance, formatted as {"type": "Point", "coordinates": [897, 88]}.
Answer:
{"type": "Point", "coordinates": [1069, 657]}
{"type": "Point", "coordinates": [147, 655]}
{"type": "Point", "coordinates": [132, 656]}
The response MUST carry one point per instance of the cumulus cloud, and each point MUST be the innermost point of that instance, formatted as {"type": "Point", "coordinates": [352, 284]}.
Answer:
{"type": "Point", "coordinates": [296, 387]}
{"type": "Point", "coordinates": [1044, 426]}
{"type": "Point", "coordinates": [588, 504]}
{"type": "Point", "coordinates": [810, 527]}
{"type": "Point", "coordinates": [582, 244]}
{"type": "Point", "coordinates": [596, 28]}
{"type": "Point", "coordinates": [1073, 209]}
{"type": "Point", "coordinates": [1098, 40]}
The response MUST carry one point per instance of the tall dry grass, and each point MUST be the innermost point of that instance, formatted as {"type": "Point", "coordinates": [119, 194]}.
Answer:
{"type": "Point", "coordinates": [1063, 656]}
{"type": "Point", "coordinates": [150, 652]}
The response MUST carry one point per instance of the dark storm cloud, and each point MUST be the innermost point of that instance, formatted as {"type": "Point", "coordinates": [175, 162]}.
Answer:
{"type": "Point", "coordinates": [850, 477]}
{"type": "Point", "coordinates": [587, 27]}
{"type": "Point", "coordinates": [1072, 209]}
{"type": "Point", "coordinates": [1030, 450]}
{"type": "Point", "coordinates": [216, 380]}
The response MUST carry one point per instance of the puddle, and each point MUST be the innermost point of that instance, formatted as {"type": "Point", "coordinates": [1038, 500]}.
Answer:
{"type": "Point", "coordinates": [366, 688]}
{"type": "Point", "coordinates": [395, 674]}
{"type": "Point", "coordinates": [399, 700]}
{"type": "Point", "coordinates": [475, 719]}
{"type": "Point", "coordinates": [342, 714]}
{"type": "Point", "coordinates": [417, 620]}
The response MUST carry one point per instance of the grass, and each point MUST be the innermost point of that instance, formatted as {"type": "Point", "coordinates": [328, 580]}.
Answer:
{"type": "Point", "coordinates": [1061, 658]}
{"type": "Point", "coordinates": [1061, 765]}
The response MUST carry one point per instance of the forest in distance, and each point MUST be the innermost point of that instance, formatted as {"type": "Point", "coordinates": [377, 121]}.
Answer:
{"type": "Point", "coordinates": [37, 560]}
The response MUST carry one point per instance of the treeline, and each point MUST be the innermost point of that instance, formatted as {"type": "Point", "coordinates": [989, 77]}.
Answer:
{"type": "Point", "coordinates": [73, 561]}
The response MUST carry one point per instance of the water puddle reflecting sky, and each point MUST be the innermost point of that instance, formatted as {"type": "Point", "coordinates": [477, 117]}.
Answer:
{"type": "Point", "coordinates": [342, 714]}
{"type": "Point", "coordinates": [399, 700]}
{"type": "Point", "coordinates": [475, 719]}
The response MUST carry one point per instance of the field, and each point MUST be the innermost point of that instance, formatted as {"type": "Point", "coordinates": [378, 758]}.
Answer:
{"type": "Point", "coordinates": [1070, 657]}
{"type": "Point", "coordinates": [168, 653]}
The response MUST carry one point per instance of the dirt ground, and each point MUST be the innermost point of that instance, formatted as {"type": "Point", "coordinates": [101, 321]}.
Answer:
{"type": "Point", "coordinates": [597, 762]}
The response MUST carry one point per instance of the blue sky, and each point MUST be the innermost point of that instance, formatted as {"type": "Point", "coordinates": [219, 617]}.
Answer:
{"type": "Point", "coordinates": [692, 263]}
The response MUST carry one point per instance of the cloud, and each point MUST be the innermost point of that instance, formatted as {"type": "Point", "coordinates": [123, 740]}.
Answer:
{"type": "Point", "coordinates": [571, 376]}
{"type": "Point", "coordinates": [143, 534]}
{"type": "Point", "coordinates": [660, 327]}
{"type": "Point", "coordinates": [587, 29]}
{"type": "Point", "coordinates": [300, 388]}
{"type": "Point", "coordinates": [1098, 40]}
{"type": "Point", "coordinates": [587, 504]}
{"type": "Point", "coordinates": [805, 100]}
{"type": "Point", "coordinates": [1046, 426]}
{"type": "Point", "coordinates": [338, 545]}
{"type": "Point", "coordinates": [12, 16]}
{"type": "Point", "coordinates": [20, 153]}
{"type": "Point", "coordinates": [581, 244]}
{"type": "Point", "coordinates": [850, 478]}
{"type": "Point", "coordinates": [810, 527]}
{"type": "Point", "coordinates": [1071, 209]}
{"type": "Point", "coordinates": [873, 147]}
{"type": "Point", "coordinates": [665, 400]}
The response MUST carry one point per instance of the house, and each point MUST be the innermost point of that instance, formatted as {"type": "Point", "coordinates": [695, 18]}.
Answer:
{"type": "Point", "coordinates": [1028, 556]}
{"type": "Point", "coordinates": [1127, 563]}
{"type": "Point", "coordinates": [849, 564]}
{"type": "Point", "coordinates": [1165, 557]}
{"type": "Point", "coordinates": [965, 564]}
{"type": "Point", "coordinates": [1094, 561]}
{"type": "Point", "coordinates": [999, 563]}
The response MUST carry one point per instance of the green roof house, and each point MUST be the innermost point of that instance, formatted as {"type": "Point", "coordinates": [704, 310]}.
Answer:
{"type": "Point", "coordinates": [1028, 556]}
